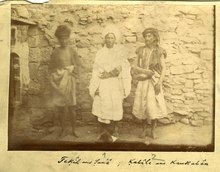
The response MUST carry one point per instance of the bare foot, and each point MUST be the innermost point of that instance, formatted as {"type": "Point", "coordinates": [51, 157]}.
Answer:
{"type": "Point", "coordinates": [61, 134]}
{"type": "Point", "coordinates": [74, 134]}
{"type": "Point", "coordinates": [153, 135]}
{"type": "Point", "coordinates": [143, 134]}
{"type": "Point", "coordinates": [147, 142]}
{"type": "Point", "coordinates": [115, 134]}
{"type": "Point", "coordinates": [100, 135]}
{"type": "Point", "coordinates": [105, 137]}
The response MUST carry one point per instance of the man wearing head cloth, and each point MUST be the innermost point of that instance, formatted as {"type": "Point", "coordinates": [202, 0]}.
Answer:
{"type": "Point", "coordinates": [64, 65]}
{"type": "Point", "coordinates": [110, 83]}
{"type": "Point", "coordinates": [149, 103]}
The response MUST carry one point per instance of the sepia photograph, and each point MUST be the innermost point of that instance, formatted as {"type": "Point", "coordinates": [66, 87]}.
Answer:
{"type": "Point", "coordinates": [116, 77]}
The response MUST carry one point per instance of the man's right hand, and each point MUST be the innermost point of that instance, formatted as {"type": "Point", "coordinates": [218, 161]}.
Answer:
{"type": "Point", "coordinates": [149, 73]}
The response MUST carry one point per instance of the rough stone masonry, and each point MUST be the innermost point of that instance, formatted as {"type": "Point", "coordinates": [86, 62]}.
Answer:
{"type": "Point", "coordinates": [186, 33]}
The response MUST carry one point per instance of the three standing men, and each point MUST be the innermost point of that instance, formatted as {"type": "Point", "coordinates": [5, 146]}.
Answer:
{"type": "Point", "coordinates": [111, 81]}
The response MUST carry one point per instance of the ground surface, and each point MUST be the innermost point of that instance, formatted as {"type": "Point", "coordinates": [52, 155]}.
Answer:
{"type": "Point", "coordinates": [175, 134]}
{"type": "Point", "coordinates": [172, 134]}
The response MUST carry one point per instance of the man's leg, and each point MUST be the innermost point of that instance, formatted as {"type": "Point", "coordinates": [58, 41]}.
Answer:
{"type": "Point", "coordinates": [144, 128]}
{"type": "Point", "coordinates": [72, 115]}
{"type": "Point", "coordinates": [153, 126]}
{"type": "Point", "coordinates": [61, 119]}
{"type": "Point", "coordinates": [105, 132]}
{"type": "Point", "coordinates": [115, 128]}
{"type": "Point", "coordinates": [102, 128]}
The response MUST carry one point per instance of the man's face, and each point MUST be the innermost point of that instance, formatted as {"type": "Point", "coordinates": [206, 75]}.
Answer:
{"type": "Point", "coordinates": [110, 40]}
{"type": "Point", "coordinates": [149, 38]}
{"type": "Point", "coordinates": [64, 40]}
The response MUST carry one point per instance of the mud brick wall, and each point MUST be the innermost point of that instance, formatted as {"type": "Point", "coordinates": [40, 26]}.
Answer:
{"type": "Point", "coordinates": [186, 33]}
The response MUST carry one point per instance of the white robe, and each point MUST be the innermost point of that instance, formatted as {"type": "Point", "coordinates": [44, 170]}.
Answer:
{"type": "Point", "coordinates": [108, 104]}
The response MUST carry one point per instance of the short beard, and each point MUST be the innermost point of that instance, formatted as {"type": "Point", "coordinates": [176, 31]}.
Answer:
{"type": "Point", "coordinates": [154, 43]}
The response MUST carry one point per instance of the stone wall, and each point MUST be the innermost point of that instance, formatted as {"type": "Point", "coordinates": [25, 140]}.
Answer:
{"type": "Point", "coordinates": [186, 32]}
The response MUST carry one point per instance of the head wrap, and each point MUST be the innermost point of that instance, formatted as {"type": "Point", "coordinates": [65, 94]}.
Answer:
{"type": "Point", "coordinates": [152, 31]}
{"type": "Point", "coordinates": [62, 30]}
{"type": "Point", "coordinates": [113, 30]}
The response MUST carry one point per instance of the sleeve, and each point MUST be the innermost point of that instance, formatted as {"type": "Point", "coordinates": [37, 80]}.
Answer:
{"type": "Point", "coordinates": [161, 60]}
{"type": "Point", "coordinates": [163, 52]}
{"type": "Point", "coordinates": [125, 78]}
{"type": "Point", "coordinates": [139, 52]}
{"type": "Point", "coordinates": [95, 80]}
{"type": "Point", "coordinates": [136, 63]}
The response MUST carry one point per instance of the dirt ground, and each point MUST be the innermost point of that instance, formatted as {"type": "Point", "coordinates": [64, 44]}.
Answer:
{"type": "Point", "coordinates": [175, 134]}
{"type": "Point", "coordinates": [172, 134]}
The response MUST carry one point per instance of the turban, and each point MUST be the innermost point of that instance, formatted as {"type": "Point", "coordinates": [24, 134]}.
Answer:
{"type": "Point", "coordinates": [152, 31]}
{"type": "Point", "coordinates": [112, 29]}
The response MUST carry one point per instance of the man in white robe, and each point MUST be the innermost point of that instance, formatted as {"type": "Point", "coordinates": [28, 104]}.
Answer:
{"type": "Point", "coordinates": [110, 83]}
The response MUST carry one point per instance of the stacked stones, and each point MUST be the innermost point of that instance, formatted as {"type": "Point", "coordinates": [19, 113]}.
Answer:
{"type": "Point", "coordinates": [186, 34]}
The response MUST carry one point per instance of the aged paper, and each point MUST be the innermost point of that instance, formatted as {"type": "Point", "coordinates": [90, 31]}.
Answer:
{"type": "Point", "coordinates": [188, 138]}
